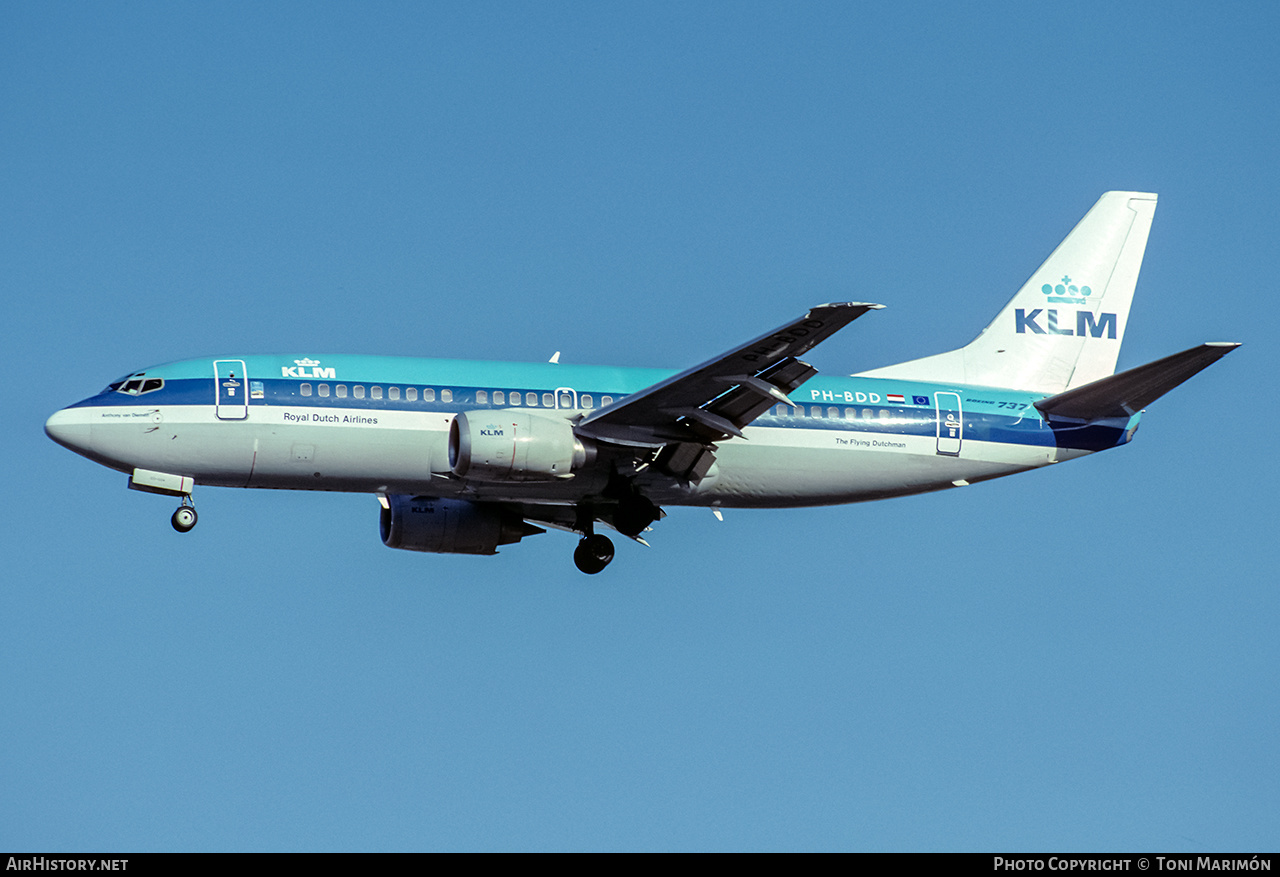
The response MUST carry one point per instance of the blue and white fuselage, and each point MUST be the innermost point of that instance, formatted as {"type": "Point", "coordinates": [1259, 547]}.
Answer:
{"type": "Point", "coordinates": [468, 455]}
{"type": "Point", "coordinates": [381, 425]}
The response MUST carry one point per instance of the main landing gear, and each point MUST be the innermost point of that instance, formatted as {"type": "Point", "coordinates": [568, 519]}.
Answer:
{"type": "Point", "coordinates": [593, 553]}
{"type": "Point", "coordinates": [185, 517]}
{"type": "Point", "coordinates": [627, 511]}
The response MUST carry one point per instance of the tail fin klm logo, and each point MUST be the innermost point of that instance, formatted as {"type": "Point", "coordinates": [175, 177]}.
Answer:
{"type": "Point", "coordinates": [1025, 322]}
{"type": "Point", "coordinates": [1066, 292]}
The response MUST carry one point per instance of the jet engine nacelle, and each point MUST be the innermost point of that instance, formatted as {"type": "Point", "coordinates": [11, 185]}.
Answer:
{"type": "Point", "coordinates": [450, 526]}
{"type": "Point", "coordinates": [515, 446]}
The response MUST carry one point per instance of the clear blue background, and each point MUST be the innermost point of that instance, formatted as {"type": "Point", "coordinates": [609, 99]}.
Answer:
{"type": "Point", "coordinates": [1082, 658]}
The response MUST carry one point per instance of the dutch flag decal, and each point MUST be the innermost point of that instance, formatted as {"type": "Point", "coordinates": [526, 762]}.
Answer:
{"type": "Point", "coordinates": [895, 397]}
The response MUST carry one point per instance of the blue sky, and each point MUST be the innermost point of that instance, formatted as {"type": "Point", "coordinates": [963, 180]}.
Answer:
{"type": "Point", "coordinates": [1083, 657]}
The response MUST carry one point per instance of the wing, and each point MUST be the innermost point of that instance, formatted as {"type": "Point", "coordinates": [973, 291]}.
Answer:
{"type": "Point", "coordinates": [708, 403]}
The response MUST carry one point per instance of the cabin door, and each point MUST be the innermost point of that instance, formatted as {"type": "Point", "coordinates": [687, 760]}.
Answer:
{"type": "Point", "coordinates": [950, 423]}
{"type": "Point", "coordinates": [231, 390]}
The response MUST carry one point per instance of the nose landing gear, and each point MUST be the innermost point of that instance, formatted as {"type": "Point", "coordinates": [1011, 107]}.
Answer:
{"type": "Point", "coordinates": [185, 517]}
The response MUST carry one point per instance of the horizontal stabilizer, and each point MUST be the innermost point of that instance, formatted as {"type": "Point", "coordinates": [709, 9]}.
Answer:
{"type": "Point", "coordinates": [1130, 391]}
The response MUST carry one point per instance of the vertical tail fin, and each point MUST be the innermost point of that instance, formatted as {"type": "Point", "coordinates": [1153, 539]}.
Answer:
{"type": "Point", "coordinates": [1064, 327]}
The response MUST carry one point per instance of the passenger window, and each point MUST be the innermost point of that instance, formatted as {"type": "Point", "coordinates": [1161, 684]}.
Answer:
{"type": "Point", "coordinates": [324, 389]}
{"type": "Point", "coordinates": [851, 414]}
{"type": "Point", "coordinates": [515, 397]}
{"type": "Point", "coordinates": [548, 400]}
{"type": "Point", "coordinates": [482, 397]}
{"type": "Point", "coordinates": [866, 414]}
{"type": "Point", "coordinates": [499, 398]}
{"type": "Point", "coordinates": [531, 399]}
{"type": "Point", "coordinates": [833, 412]}
{"type": "Point", "coordinates": [342, 391]}
{"type": "Point", "coordinates": [816, 410]}
{"type": "Point", "coordinates": [446, 395]}
{"type": "Point", "coordinates": [358, 391]}
{"type": "Point", "coordinates": [376, 393]}
{"type": "Point", "coordinates": [392, 392]}
{"type": "Point", "coordinates": [586, 400]}
{"type": "Point", "coordinates": [884, 415]}
{"type": "Point", "coordinates": [411, 394]}
{"type": "Point", "coordinates": [605, 401]}
{"type": "Point", "coordinates": [305, 389]}
{"type": "Point", "coordinates": [428, 395]}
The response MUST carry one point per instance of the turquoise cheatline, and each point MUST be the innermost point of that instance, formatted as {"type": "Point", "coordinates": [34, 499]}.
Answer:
{"type": "Point", "coordinates": [466, 456]}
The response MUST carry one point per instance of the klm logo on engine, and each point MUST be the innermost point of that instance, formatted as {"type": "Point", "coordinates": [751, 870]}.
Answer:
{"type": "Point", "coordinates": [492, 429]}
{"type": "Point", "coordinates": [1028, 321]}
{"type": "Point", "coordinates": [306, 368]}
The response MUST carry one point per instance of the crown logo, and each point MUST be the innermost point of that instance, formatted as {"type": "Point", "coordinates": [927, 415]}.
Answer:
{"type": "Point", "coordinates": [306, 363]}
{"type": "Point", "coordinates": [1066, 292]}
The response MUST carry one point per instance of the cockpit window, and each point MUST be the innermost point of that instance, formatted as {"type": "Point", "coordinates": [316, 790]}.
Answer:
{"type": "Point", "coordinates": [137, 385]}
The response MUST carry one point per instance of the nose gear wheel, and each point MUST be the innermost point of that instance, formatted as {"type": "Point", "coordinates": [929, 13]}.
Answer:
{"type": "Point", "coordinates": [185, 517]}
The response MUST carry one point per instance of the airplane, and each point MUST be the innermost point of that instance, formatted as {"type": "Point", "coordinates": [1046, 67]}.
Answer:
{"type": "Point", "coordinates": [467, 456]}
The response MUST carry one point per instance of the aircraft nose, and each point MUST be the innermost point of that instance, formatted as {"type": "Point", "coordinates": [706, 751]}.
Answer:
{"type": "Point", "coordinates": [68, 428]}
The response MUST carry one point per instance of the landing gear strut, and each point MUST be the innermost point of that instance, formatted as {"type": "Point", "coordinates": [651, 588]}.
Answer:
{"type": "Point", "coordinates": [185, 517]}
{"type": "Point", "coordinates": [592, 554]}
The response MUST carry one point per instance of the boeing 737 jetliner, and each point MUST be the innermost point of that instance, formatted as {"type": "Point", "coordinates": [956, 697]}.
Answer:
{"type": "Point", "coordinates": [465, 456]}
